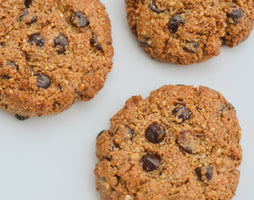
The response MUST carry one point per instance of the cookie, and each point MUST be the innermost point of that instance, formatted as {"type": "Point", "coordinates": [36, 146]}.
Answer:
{"type": "Point", "coordinates": [180, 142]}
{"type": "Point", "coordinates": [186, 32]}
{"type": "Point", "coordinates": [52, 53]}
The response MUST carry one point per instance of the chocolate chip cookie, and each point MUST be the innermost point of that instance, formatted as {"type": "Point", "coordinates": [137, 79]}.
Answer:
{"type": "Point", "coordinates": [186, 32]}
{"type": "Point", "coordinates": [179, 143]}
{"type": "Point", "coordinates": [52, 53]}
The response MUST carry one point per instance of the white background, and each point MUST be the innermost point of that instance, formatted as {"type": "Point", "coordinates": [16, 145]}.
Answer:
{"type": "Point", "coordinates": [52, 157]}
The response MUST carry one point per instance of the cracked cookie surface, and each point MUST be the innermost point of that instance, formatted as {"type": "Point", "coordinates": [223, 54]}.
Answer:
{"type": "Point", "coordinates": [52, 53]}
{"type": "Point", "coordinates": [186, 32]}
{"type": "Point", "coordinates": [180, 142]}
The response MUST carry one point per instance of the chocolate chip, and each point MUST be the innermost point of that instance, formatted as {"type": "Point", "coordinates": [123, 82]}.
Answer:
{"type": "Point", "coordinates": [94, 42]}
{"type": "Point", "coordinates": [33, 20]}
{"type": "Point", "coordinates": [175, 22]}
{"type": "Point", "coordinates": [117, 130]}
{"type": "Point", "coordinates": [226, 107]}
{"type": "Point", "coordinates": [155, 133]}
{"type": "Point", "coordinates": [144, 42]}
{"type": "Point", "coordinates": [153, 7]}
{"type": "Point", "coordinates": [12, 63]}
{"type": "Point", "coordinates": [2, 44]}
{"type": "Point", "coordinates": [107, 158]}
{"type": "Point", "coordinates": [25, 13]}
{"type": "Point", "coordinates": [121, 135]}
{"type": "Point", "coordinates": [28, 3]}
{"type": "Point", "coordinates": [198, 171]}
{"type": "Point", "coordinates": [37, 39]}
{"type": "Point", "coordinates": [79, 20]}
{"type": "Point", "coordinates": [223, 41]}
{"type": "Point", "coordinates": [5, 76]}
{"type": "Point", "coordinates": [116, 145]}
{"type": "Point", "coordinates": [61, 42]}
{"type": "Point", "coordinates": [236, 15]}
{"type": "Point", "coordinates": [129, 131]}
{"type": "Point", "coordinates": [151, 162]}
{"type": "Point", "coordinates": [185, 142]}
{"type": "Point", "coordinates": [118, 180]}
{"type": "Point", "coordinates": [26, 55]}
{"type": "Point", "coordinates": [191, 46]}
{"type": "Point", "coordinates": [43, 81]}
{"type": "Point", "coordinates": [182, 112]}
{"type": "Point", "coordinates": [21, 118]}
{"type": "Point", "coordinates": [209, 172]}
{"type": "Point", "coordinates": [100, 133]}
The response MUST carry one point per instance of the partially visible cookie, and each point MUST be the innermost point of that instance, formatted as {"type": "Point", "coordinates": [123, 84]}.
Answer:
{"type": "Point", "coordinates": [52, 53]}
{"type": "Point", "coordinates": [179, 143]}
{"type": "Point", "coordinates": [186, 32]}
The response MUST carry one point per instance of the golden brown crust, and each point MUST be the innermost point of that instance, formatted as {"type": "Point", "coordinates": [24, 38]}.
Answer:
{"type": "Point", "coordinates": [69, 41]}
{"type": "Point", "coordinates": [200, 152]}
{"type": "Point", "coordinates": [186, 32]}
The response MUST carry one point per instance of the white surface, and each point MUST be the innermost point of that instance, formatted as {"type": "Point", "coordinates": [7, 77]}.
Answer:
{"type": "Point", "coordinates": [52, 157]}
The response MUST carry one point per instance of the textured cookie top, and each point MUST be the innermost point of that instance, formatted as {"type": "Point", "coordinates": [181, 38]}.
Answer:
{"type": "Point", "coordinates": [52, 52]}
{"type": "Point", "coordinates": [189, 31]}
{"type": "Point", "coordinates": [179, 143]}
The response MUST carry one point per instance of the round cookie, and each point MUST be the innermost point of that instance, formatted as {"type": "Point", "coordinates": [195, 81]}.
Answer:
{"type": "Point", "coordinates": [52, 53]}
{"type": "Point", "coordinates": [189, 31]}
{"type": "Point", "coordinates": [179, 143]}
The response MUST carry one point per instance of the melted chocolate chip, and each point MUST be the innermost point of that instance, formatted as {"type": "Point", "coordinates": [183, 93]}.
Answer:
{"type": "Point", "coordinates": [61, 42]}
{"type": "Point", "coordinates": [155, 133]}
{"type": "Point", "coordinates": [175, 22]}
{"type": "Point", "coordinates": [43, 81]}
{"type": "Point", "coordinates": [2, 44]}
{"type": "Point", "coordinates": [182, 112]}
{"type": "Point", "coordinates": [191, 47]}
{"type": "Point", "coordinates": [100, 133]}
{"type": "Point", "coordinates": [79, 20]}
{"type": "Point", "coordinates": [236, 15]}
{"type": "Point", "coordinates": [37, 39]}
{"type": "Point", "coordinates": [12, 63]}
{"type": "Point", "coordinates": [21, 118]}
{"type": "Point", "coordinates": [198, 171]}
{"type": "Point", "coordinates": [209, 172]}
{"type": "Point", "coordinates": [28, 3]}
{"type": "Point", "coordinates": [94, 42]}
{"type": "Point", "coordinates": [153, 7]}
{"type": "Point", "coordinates": [151, 162]}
